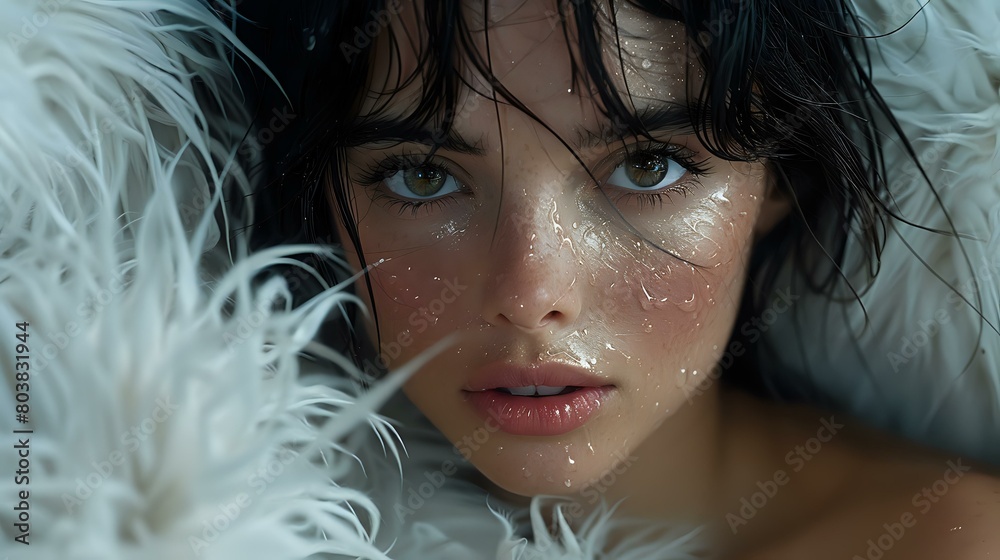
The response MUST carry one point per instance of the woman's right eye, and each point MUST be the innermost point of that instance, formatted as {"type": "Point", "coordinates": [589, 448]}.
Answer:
{"type": "Point", "coordinates": [421, 182]}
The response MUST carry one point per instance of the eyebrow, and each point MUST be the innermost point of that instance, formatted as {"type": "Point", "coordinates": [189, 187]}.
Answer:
{"type": "Point", "coordinates": [401, 130]}
{"type": "Point", "coordinates": [663, 118]}
{"type": "Point", "coordinates": [660, 118]}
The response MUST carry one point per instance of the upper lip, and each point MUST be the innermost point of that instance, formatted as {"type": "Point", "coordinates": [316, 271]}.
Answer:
{"type": "Point", "coordinates": [551, 374]}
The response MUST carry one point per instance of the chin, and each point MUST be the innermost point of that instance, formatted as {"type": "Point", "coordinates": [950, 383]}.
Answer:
{"type": "Point", "coordinates": [565, 465]}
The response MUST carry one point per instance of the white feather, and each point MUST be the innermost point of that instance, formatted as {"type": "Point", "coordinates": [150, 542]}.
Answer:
{"type": "Point", "coordinates": [103, 148]}
{"type": "Point", "coordinates": [927, 365]}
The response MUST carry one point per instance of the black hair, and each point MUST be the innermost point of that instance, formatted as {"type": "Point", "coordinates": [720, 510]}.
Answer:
{"type": "Point", "coordinates": [786, 82]}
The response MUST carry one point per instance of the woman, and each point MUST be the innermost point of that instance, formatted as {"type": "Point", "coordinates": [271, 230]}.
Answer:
{"type": "Point", "coordinates": [595, 200]}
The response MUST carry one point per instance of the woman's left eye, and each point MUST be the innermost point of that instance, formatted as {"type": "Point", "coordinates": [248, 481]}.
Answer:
{"type": "Point", "coordinates": [647, 171]}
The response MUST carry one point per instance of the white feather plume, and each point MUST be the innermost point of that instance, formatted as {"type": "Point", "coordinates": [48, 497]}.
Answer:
{"type": "Point", "coordinates": [927, 364]}
{"type": "Point", "coordinates": [168, 417]}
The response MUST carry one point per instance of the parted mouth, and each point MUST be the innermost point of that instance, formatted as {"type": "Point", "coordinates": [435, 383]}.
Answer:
{"type": "Point", "coordinates": [537, 390]}
{"type": "Point", "coordinates": [536, 380]}
{"type": "Point", "coordinates": [539, 400]}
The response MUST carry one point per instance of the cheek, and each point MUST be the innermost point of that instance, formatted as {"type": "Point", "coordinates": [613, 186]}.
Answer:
{"type": "Point", "coordinates": [419, 288]}
{"type": "Point", "coordinates": [664, 316]}
{"type": "Point", "coordinates": [685, 270]}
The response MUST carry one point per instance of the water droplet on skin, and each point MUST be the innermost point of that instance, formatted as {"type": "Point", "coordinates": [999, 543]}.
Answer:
{"type": "Point", "coordinates": [548, 478]}
{"type": "Point", "coordinates": [646, 64]}
{"type": "Point", "coordinates": [499, 449]}
{"type": "Point", "coordinates": [682, 377]}
{"type": "Point", "coordinates": [525, 472]}
{"type": "Point", "coordinates": [569, 483]}
{"type": "Point", "coordinates": [591, 448]}
{"type": "Point", "coordinates": [688, 303]}
{"type": "Point", "coordinates": [649, 328]}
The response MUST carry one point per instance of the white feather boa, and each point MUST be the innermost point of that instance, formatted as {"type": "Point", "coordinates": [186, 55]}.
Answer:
{"type": "Point", "coordinates": [168, 419]}
{"type": "Point", "coordinates": [172, 413]}
{"type": "Point", "coordinates": [926, 364]}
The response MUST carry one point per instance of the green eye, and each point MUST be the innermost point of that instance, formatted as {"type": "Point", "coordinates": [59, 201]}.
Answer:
{"type": "Point", "coordinates": [422, 181]}
{"type": "Point", "coordinates": [425, 180]}
{"type": "Point", "coordinates": [645, 170]}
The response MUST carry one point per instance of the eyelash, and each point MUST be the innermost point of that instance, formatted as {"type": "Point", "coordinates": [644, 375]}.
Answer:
{"type": "Point", "coordinates": [394, 163]}
{"type": "Point", "coordinates": [683, 156]}
{"type": "Point", "coordinates": [398, 162]}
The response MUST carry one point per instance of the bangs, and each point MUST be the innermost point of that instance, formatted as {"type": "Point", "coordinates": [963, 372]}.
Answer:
{"type": "Point", "coordinates": [782, 82]}
{"type": "Point", "coordinates": [435, 72]}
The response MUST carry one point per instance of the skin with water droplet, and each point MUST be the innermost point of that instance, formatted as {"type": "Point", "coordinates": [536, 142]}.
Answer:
{"type": "Point", "coordinates": [539, 237]}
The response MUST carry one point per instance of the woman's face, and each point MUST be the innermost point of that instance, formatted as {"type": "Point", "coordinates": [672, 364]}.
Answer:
{"type": "Point", "coordinates": [624, 291]}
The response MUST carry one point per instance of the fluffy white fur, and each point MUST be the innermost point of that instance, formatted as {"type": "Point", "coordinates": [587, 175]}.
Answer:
{"type": "Point", "coordinates": [109, 175]}
{"type": "Point", "coordinates": [925, 364]}
{"type": "Point", "coordinates": [144, 316]}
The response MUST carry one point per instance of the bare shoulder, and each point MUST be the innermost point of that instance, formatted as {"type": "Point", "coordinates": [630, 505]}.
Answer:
{"type": "Point", "coordinates": [867, 495]}
{"type": "Point", "coordinates": [922, 513]}
{"type": "Point", "coordinates": [959, 515]}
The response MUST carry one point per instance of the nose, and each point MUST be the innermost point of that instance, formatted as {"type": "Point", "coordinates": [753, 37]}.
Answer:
{"type": "Point", "coordinates": [534, 265]}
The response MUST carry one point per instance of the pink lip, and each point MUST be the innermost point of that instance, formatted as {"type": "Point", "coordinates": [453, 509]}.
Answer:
{"type": "Point", "coordinates": [536, 416]}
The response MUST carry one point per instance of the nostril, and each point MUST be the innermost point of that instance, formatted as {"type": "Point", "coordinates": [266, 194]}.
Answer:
{"type": "Point", "coordinates": [550, 317]}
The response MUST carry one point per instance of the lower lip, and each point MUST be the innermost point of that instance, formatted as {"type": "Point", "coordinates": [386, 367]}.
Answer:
{"type": "Point", "coordinates": [539, 416]}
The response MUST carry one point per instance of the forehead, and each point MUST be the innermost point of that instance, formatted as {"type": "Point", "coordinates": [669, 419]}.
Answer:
{"type": "Point", "coordinates": [525, 44]}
